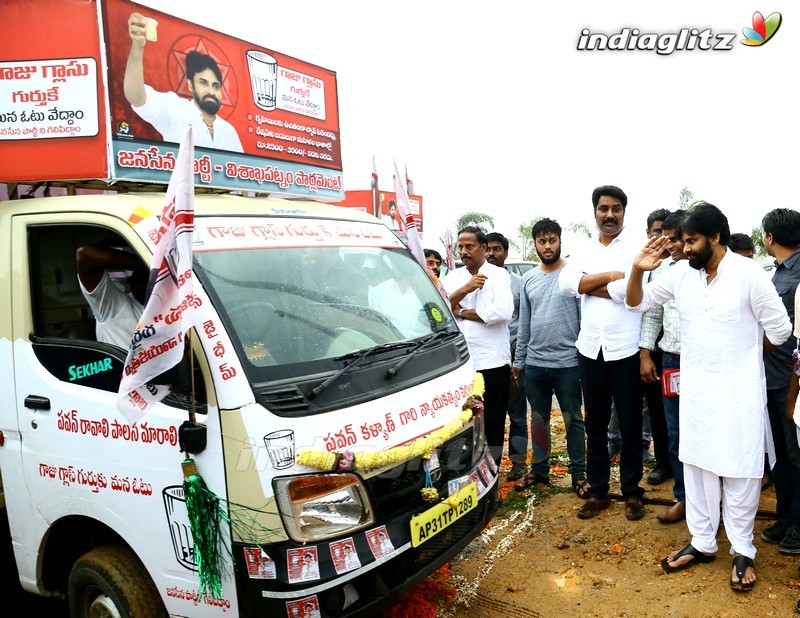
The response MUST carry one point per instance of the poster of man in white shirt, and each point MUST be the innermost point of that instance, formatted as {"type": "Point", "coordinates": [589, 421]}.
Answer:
{"type": "Point", "coordinates": [379, 542]}
{"type": "Point", "coordinates": [303, 564]}
{"type": "Point", "coordinates": [344, 556]}
{"type": "Point", "coordinates": [169, 113]}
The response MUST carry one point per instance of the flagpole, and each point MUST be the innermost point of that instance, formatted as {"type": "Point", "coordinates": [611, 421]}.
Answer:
{"type": "Point", "coordinates": [192, 403]}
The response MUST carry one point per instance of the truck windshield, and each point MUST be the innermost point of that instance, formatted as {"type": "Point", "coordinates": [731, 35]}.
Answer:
{"type": "Point", "coordinates": [288, 306]}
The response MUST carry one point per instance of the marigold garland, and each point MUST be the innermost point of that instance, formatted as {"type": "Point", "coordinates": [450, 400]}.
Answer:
{"type": "Point", "coordinates": [422, 600]}
{"type": "Point", "coordinates": [424, 446]}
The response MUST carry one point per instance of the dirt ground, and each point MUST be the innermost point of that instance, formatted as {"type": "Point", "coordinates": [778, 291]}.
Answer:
{"type": "Point", "coordinates": [538, 560]}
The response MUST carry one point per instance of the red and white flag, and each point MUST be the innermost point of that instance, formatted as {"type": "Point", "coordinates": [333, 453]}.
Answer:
{"type": "Point", "coordinates": [374, 185]}
{"type": "Point", "coordinates": [449, 258]}
{"type": "Point", "coordinates": [413, 241]}
{"type": "Point", "coordinates": [409, 184]}
{"type": "Point", "coordinates": [158, 342]}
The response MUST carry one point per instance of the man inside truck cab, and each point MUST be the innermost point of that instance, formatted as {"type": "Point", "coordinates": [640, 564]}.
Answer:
{"type": "Point", "coordinates": [116, 307]}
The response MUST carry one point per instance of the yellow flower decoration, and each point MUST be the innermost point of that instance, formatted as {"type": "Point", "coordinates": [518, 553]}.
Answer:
{"type": "Point", "coordinates": [423, 446]}
{"type": "Point", "coordinates": [478, 385]}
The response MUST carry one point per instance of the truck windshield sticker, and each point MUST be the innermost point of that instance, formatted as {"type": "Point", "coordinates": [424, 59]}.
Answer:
{"type": "Point", "coordinates": [219, 233]}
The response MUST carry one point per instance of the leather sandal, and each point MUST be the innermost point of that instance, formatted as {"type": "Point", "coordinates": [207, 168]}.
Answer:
{"type": "Point", "coordinates": [741, 563]}
{"type": "Point", "coordinates": [531, 479]}
{"type": "Point", "coordinates": [581, 487]}
{"type": "Point", "coordinates": [689, 550]}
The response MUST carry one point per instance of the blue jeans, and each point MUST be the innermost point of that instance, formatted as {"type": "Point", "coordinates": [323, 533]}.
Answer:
{"type": "Point", "coordinates": [518, 425]}
{"type": "Point", "coordinates": [541, 383]}
{"type": "Point", "coordinates": [671, 406]}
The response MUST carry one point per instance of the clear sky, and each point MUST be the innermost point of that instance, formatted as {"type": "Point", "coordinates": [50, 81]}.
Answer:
{"type": "Point", "coordinates": [492, 107]}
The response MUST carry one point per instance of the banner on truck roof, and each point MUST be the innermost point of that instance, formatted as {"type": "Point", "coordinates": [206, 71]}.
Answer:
{"type": "Point", "coordinates": [383, 204]}
{"type": "Point", "coordinates": [111, 103]}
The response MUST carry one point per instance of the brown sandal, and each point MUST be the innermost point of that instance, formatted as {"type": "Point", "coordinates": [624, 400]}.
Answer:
{"type": "Point", "coordinates": [581, 487]}
{"type": "Point", "coordinates": [531, 479]}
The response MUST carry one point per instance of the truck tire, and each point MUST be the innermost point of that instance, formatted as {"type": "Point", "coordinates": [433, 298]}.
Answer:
{"type": "Point", "coordinates": [111, 582]}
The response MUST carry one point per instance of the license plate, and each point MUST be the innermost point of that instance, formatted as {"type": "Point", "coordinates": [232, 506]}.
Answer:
{"type": "Point", "coordinates": [437, 518]}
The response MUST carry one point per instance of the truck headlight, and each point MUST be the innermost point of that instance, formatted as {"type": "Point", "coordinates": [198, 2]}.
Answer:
{"type": "Point", "coordinates": [321, 506]}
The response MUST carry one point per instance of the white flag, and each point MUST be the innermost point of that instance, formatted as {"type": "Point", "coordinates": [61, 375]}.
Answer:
{"type": "Point", "coordinates": [374, 184]}
{"type": "Point", "coordinates": [447, 241]}
{"type": "Point", "coordinates": [157, 344]}
{"type": "Point", "coordinates": [413, 240]}
{"type": "Point", "coordinates": [409, 184]}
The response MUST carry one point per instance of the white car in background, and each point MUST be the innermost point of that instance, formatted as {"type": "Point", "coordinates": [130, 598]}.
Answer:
{"type": "Point", "coordinates": [518, 267]}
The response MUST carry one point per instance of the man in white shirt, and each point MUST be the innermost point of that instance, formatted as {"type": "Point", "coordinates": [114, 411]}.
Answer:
{"type": "Point", "coordinates": [481, 299]}
{"type": "Point", "coordinates": [351, 560]}
{"type": "Point", "coordinates": [396, 299]}
{"type": "Point", "coordinates": [117, 307]}
{"type": "Point", "coordinates": [608, 354]}
{"type": "Point", "coordinates": [728, 313]}
{"type": "Point", "coordinates": [166, 111]}
{"type": "Point", "coordinates": [391, 221]}
{"type": "Point", "coordinates": [310, 568]}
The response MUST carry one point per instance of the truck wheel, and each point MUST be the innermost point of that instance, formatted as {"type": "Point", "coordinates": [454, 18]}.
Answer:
{"type": "Point", "coordinates": [111, 582]}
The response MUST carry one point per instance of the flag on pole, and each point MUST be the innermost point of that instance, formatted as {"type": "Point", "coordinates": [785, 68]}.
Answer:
{"type": "Point", "coordinates": [449, 257]}
{"type": "Point", "coordinates": [157, 344]}
{"type": "Point", "coordinates": [409, 184]}
{"type": "Point", "coordinates": [413, 241]}
{"type": "Point", "coordinates": [374, 185]}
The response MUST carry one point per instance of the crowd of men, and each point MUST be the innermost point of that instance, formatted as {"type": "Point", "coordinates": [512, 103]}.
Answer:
{"type": "Point", "coordinates": [687, 328]}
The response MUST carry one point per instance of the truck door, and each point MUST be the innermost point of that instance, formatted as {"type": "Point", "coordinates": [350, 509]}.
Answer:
{"type": "Point", "coordinates": [79, 457]}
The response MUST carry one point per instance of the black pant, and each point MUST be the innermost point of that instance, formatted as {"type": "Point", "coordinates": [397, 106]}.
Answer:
{"type": "Point", "coordinates": [601, 381]}
{"type": "Point", "coordinates": [658, 422]}
{"type": "Point", "coordinates": [495, 403]}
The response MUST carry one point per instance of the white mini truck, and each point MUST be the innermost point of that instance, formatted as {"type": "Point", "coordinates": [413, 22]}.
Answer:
{"type": "Point", "coordinates": [328, 379]}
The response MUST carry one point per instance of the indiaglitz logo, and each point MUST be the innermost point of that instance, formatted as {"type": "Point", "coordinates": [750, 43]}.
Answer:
{"type": "Point", "coordinates": [685, 39]}
{"type": "Point", "coordinates": [763, 29]}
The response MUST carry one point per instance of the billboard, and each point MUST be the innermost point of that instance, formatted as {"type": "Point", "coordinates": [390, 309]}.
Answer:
{"type": "Point", "coordinates": [383, 205]}
{"type": "Point", "coordinates": [111, 103]}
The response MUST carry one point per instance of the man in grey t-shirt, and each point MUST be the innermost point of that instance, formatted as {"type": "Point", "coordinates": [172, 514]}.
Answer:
{"type": "Point", "coordinates": [548, 327]}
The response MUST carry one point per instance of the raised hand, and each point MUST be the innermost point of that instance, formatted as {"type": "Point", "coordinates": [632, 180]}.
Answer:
{"type": "Point", "coordinates": [649, 258]}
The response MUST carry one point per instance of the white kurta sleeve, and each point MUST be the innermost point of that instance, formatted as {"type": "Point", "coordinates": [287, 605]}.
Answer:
{"type": "Point", "coordinates": [770, 310]}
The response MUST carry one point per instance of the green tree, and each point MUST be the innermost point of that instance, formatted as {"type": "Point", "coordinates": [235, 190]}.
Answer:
{"type": "Point", "coordinates": [685, 198]}
{"type": "Point", "coordinates": [758, 242]}
{"type": "Point", "coordinates": [526, 246]}
{"type": "Point", "coordinates": [581, 229]}
{"type": "Point", "coordinates": [479, 219]}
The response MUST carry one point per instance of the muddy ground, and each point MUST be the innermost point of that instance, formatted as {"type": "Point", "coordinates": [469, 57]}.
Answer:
{"type": "Point", "coordinates": [538, 560]}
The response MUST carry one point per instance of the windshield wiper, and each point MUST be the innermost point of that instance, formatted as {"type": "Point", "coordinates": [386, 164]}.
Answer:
{"type": "Point", "coordinates": [421, 346]}
{"type": "Point", "coordinates": [356, 356]}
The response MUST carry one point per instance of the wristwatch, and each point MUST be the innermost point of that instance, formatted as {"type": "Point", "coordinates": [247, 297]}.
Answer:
{"type": "Point", "coordinates": [460, 311]}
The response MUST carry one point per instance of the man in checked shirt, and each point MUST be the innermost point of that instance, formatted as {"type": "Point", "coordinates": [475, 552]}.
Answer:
{"type": "Point", "coordinates": [666, 316]}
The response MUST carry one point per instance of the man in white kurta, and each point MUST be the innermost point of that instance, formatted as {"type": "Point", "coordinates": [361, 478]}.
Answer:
{"type": "Point", "coordinates": [481, 300]}
{"type": "Point", "coordinates": [726, 306]}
